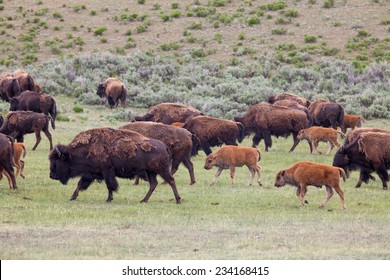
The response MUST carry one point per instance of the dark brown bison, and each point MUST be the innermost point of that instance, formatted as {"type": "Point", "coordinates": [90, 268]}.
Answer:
{"type": "Point", "coordinates": [327, 114]}
{"type": "Point", "coordinates": [26, 81]}
{"type": "Point", "coordinates": [265, 120]}
{"type": "Point", "coordinates": [368, 152]}
{"type": "Point", "coordinates": [295, 105]}
{"type": "Point", "coordinates": [169, 113]}
{"type": "Point", "coordinates": [36, 102]}
{"type": "Point", "coordinates": [107, 153]}
{"type": "Point", "coordinates": [9, 87]}
{"type": "Point", "coordinates": [178, 140]}
{"type": "Point", "coordinates": [213, 132]}
{"type": "Point", "coordinates": [114, 90]}
{"type": "Point", "coordinates": [289, 96]}
{"type": "Point", "coordinates": [6, 159]}
{"type": "Point", "coordinates": [19, 123]}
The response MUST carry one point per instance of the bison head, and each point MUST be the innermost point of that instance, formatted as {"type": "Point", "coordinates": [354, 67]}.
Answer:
{"type": "Point", "coordinates": [60, 164]}
{"type": "Point", "coordinates": [279, 180]}
{"type": "Point", "coordinates": [210, 161]}
{"type": "Point", "coordinates": [341, 159]}
{"type": "Point", "coordinates": [101, 90]}
{"type": "Point", "coordinates": [301, 134]}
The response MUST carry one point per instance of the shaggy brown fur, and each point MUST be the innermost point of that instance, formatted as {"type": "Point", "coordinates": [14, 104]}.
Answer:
{"type": "Point", "coordinates": [375, 146]}
{"type": "Point", "coordinates": [289, 96]}
{"type": "Point", "coordinates": [178, 141]}
{"type": "Point", "coordinates": [316, 134]}
{"type": "Point", "coordinates": [215, 132]}
{"type": "Point", "coordinates": [229, 157]}
{"type": "Point", "coordinates": [9, 87]}
{"type": "Point", "coordinates": [26, 81]}
{"type": "Point", "coordinates": [169, 113]}
{"type": "Point", "coordinates": [352, 121]}
{"type": "Point", "coordinates": [327, 114]}
{"type": "Point", "coordinates": [6, 160]}
{"type": "Point", "coordinates": [352, 135]}
{"type": "Point", "coordinates": [114, 91]}
{"type": "Point", "coordinates": [265, 120]}
{"type": "Point", "coordinates": [305, 173]}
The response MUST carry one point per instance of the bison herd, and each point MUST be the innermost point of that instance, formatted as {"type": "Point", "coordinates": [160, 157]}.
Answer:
{"type": "Point", "coordinates": [170, 134]}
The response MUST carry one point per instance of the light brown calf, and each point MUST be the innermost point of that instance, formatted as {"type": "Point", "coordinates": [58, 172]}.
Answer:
{"type": "Point", "coordinates": [352, 121]}
{"type": "Point", "coordinates": [18, 163]}
{"type": "Point", "coordinates": [229, 157]}
{"type": "Point", "coordinates": [316, 134]}
{"type": "Point", "coordinates": [305, 173]}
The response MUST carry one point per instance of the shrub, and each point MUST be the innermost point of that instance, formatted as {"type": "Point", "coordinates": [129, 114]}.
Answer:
{"type": "Point", "coordinates": [100, 31]}
{"type": "Point", "coordinates": [279, 31]}
{"type": "Point", "coordinates": [310, 38]}
{"type": "Point", "coordinates": [253, 21]}
{"type": "Point", "coordinates": [141, 2]}
{"type": "Point", "coordinates": [291, 13]}
{"type": "Point", "coordinates": [175, 5]}
{"type": "Point", "coordinates": [328, 4]}
{"type": "Point", "coordinates": [78, 109]}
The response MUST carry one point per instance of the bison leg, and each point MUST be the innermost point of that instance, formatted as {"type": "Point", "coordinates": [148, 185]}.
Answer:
{"type": "Point", "coordinates": [38, 139]}
{"type": "Point", "coordinates": [383, 175]}
{"type": "Point", "coordinates": [232, 173]}
{"type": "Point", "coordinates": [341, 194]}
{"type": "Point", "coordinates": [206, 148]}
{"type": "Point", "coordinates": [331, 146]}
{"type": "Point", "coordinates": [11, 180]}
{"type": "Point", "coordinates": [219, 171]}
{"type": "Point", "coordinates": [329, 192]}
{"type": "Point", "coordinates": [258, 171]}
{"type": "Point", "coordinates": [111, 182]}
{"type": "Point", "coordinates": [171, 181]}
{"type": "Point", "coordinates": [302, 193]}
{"type": "Point", "coordinates": [48, 135]}
{"type": "Point", "coordinates": [256, 140]}
{"type": "Point", "coordinates": [296, 141]}
{"type": "Point", "coordinates": [152, 185]}
{"type": "Point", "coordinates": [253, 172]}
{"type": "Point", "coordinates": [83, 184]}
{"type": "Point", "coordinates": [188, 164]}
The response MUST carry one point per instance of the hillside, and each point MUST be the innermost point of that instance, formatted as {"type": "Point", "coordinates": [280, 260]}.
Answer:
{"type": "Point", "coordinates": [294, 32]}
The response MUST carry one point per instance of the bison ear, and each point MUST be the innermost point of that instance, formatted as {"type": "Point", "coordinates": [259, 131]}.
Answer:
{"type": "Point", "coordinates": [283, 172]}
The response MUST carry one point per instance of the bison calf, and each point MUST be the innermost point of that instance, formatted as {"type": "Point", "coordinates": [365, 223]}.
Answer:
{"type": "Point", "coordinates": [19, 152]}
{"type": "Point", "coordinates": [316, 134]}
{"type": "Point", "coordinates": [351, 121]}
{"type": "Point", "coordinates": [228, 157]}
{"type": "Point", "coordinates": [305, 173]}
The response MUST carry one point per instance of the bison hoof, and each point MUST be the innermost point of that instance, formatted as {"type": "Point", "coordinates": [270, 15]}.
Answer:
{"type": "Point", "coordinates": [306, 202]}
{"type": "Point", "coordinates": [192, 183]}
{"type": "Point", "coordinates": [73, 197]}
{"type": "Point", "coordinates": [178, 201]}
{"type": "Point", "coordinates": [384, 188]}
{"type": "Point", "coordinates": [143, 201]}
{"type": "Point", "coordinates": [357, 186]}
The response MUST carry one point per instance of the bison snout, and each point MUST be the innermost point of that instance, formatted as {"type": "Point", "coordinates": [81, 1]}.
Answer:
{"type": "Point", "coordinates": [207, 167]}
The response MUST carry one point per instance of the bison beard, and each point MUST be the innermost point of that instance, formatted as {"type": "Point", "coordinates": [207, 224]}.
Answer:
{"type": "Point", "coordinates": [119, 153]}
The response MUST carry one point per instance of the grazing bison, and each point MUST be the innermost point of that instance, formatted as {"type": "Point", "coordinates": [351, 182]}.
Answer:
{"type": "Point", "coordinates": [213, 132]}
{"type": "Point", "coordinates": [6, 159]}
{"type": "Point", "coordinates": [114, 90]}
{"type": "Point", "coordinates": [26, 81]}
{"type": "Point", "coordinates": [265, 120]}
{"type": "Point", "coordinates": [316, 134]}
{"type": "Point", "coordinates": [368, 152]}
{"type": "Point", "coordinates": [289, 96]}
{"type": "Point", "coordinates": [351, 121]}
{"type": "Point", "coordinates": [169, 113]}
{"type": "Point", "coordinates": [107, 153]}
{"type": "Point", "coordinates": [36, 102]}
{"type": "Point", "coordinates": [305, 173]}
{"type": "Point", "coordinates": [229, 157]}
{"type": "Point", "coordinates": [19, 123]}
{"type": "Point", "coordinates": [327, 114]}
{"type": "Point", "coordinates": [179, 141]}
{"type": "Point", "coordinates": [9, 87]}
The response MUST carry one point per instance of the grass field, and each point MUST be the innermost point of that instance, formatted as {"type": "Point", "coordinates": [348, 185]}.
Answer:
{"type": "Point", "coordinates": [221, 222]}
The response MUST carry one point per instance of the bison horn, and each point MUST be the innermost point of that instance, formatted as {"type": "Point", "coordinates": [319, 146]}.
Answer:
{"type": "Point", "coordinates": [58, 152]}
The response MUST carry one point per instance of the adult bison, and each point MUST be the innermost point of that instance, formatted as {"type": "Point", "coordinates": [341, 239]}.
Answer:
{"type": "Point", "coordinates": [107, 153]}
{"type": "Point", "coordinates": [169, 113]}
{"type": "Point", "coordinates": [19, 123]}
{"type": "Point", "coordinates": [295, 105]}
{"type": "Point", "coordinates": [9, 87]}
{"type": "Point", "coordinates": [26, 81]}
{"type": "Point", "coordinates": [6, 159]}
{"type": "Point", "coordinates": [179, 141]}
{"type": "Point", "coordinates": [289, 96]}
{"type": "Point", "coordinates": [215, 132]}
{"type": "Point", "coordinates": [265, 120]}
{"type": "Point", "coordinates": [114, 90]}
{"type": "Point", "coordinates": [36, 102]}
{"type": "Point", "coordinates": [368, 152]}
{"type": "Point", "coordinates": [327, 114]}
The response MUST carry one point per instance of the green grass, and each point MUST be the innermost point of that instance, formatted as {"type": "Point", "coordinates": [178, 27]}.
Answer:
{"type": "Point", "coordinates": [221, 222]}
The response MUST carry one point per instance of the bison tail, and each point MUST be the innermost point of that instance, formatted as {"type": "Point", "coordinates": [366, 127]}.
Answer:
{"type": "Point", "coordinates": [123, 96]}
{"type": "Point", "coordinates": [340, 119]}
{"type": "Point", "coordinates": [258, 151]}
{"type": "Point", "coordinates": [53, 114]}
{"type": "Point", "coordinates": [24, 150]}
{"type": "Point", "coordinates": [195, 145]}
{"type": "Point", "coordinates": [342, 173]}
{"type": "Point", "coordinates": [341, 133]}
